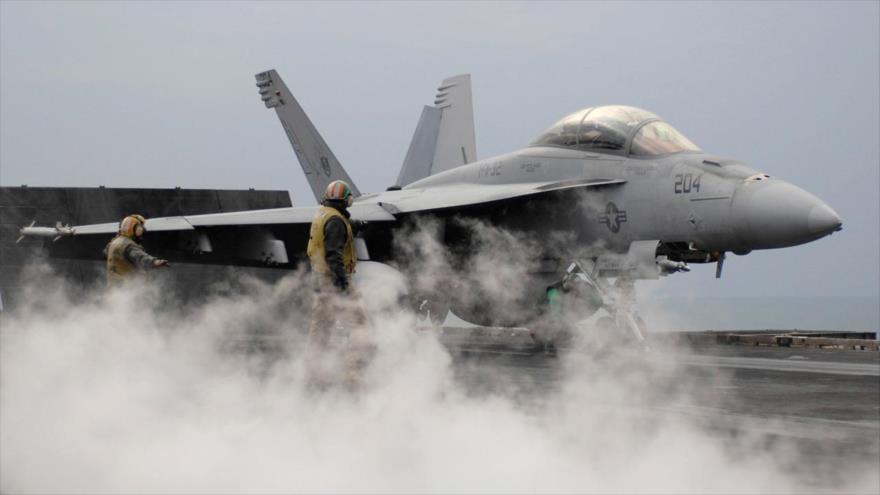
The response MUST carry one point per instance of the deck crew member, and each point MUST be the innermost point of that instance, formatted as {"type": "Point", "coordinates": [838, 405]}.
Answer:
{"type": "Point", "coordinates": [333, 259]}
{"type": "Point", "coordinates": [126, 258]}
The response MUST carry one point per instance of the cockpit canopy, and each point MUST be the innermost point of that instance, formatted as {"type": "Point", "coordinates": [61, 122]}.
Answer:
{"type": "Point", "coordinates": [616, 129]}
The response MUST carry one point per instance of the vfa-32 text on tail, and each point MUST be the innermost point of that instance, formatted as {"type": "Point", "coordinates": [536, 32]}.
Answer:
{"type": "Point", "coordinates": [606, 196]}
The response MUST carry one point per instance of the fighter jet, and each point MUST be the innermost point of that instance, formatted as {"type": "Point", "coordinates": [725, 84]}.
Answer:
{"type": "Point", "coordinates": [605, 196]}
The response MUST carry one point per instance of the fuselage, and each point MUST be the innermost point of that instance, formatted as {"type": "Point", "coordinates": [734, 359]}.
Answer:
{"type": "Point", "coordinates": [701, 201]}
{"type": "Point", "coordinates": [644, 184]}
{"type": "Point", "coordinates": [673, 191]}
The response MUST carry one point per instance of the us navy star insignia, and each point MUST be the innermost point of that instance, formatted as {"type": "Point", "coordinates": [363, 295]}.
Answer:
{"type": "Point", "coordinates": [613, 217]}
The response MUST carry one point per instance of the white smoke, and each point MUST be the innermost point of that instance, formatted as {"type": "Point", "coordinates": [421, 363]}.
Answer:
{"type": "Point", "coordinates": [122, 392]}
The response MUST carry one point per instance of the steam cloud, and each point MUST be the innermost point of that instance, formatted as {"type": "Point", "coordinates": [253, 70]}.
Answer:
{"type": "Point", "coordinates": [127, 391]}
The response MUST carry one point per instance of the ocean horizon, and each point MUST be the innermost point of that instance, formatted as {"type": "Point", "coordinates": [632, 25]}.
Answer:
{"type": "Point", "coordinates": [830, 313]}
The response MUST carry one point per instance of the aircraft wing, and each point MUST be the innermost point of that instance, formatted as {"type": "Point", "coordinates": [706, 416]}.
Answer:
{"type": "Point", "coordinates": [470, 195]}
{"type": "Point", "coordinates": [277, 237]}
{"type": "Point", "coordinates": [274, 237]}
{"type": "Point", "coordinates": [292, 215]}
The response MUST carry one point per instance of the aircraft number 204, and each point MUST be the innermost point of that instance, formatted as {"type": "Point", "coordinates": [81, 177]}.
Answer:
{"type": "Point", "coordinates": [686, 183]}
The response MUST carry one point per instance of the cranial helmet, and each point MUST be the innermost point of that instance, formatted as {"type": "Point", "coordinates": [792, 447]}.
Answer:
{"type": "Point", "coordinates": [132, 226]}
{"type": "Point", "coordinates": [338, 190]}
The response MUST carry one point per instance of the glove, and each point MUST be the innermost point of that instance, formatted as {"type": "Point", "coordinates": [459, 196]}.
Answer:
{"type": "Point", "coordinates": [357, 226]}
{"type": "Point", "coordinates": [341, 283]}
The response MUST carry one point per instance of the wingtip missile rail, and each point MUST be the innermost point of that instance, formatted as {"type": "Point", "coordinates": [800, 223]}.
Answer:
{"type": "Point", "coordinates": [55, 233]}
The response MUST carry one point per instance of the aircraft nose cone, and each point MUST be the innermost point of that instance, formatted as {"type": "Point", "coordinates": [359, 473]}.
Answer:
{"type": "Point", "coordinates": [772, 214]}
{"type": "Point", "coordinates": [823, 220]}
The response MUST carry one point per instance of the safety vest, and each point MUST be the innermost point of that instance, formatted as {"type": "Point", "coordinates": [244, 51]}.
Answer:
{"type": "Point", "coordinates": [316, 251]}
{"type": "Point", "coordinates": [119, 268]}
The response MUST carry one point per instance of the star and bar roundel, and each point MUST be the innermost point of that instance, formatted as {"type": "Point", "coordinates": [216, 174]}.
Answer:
{"type": "Point", "coordinates": [613, 217]}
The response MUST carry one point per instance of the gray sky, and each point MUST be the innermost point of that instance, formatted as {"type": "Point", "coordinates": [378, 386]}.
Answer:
{"type": "Point", "coordinates": [162, 94]}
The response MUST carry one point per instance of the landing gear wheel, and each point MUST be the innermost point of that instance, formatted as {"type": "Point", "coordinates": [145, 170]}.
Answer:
{"type": "Point", "coordinates": [642, 325]}
{"type": "Point", "coordinates": [606, 325]}
{"type": "Point", "coordinates": [604, 338]}
{"type": "Point", "coordinates": [437, 312]}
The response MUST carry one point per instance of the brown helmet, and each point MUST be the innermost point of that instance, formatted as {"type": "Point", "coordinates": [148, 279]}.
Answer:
{"type": "Point", "coordinates": [132, 226]}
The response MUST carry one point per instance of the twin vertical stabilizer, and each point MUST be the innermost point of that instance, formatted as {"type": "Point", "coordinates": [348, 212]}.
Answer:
{"type": "Point", "coordinates": [444, 137]}
{"type": "Point", "coordinates": [318, 161]}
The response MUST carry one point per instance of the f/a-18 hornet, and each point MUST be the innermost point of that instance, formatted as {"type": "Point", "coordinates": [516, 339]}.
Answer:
{"type": "Point", "coordinates": [606, 196]}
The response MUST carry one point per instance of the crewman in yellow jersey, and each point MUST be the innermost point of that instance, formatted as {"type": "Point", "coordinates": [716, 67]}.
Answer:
{"type": "Point", "coordinates": [126, 258]}
{"type": "Point", "coordinates": [331, 240]}
{"type": "Point", "coordinates": [333, 259]}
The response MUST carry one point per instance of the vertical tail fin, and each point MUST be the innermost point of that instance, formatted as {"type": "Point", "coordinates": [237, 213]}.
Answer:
{"type": "Point", "coordinates": [420, 156]}
{"type": "Point", "coordinates": [444, 137]}
{"type": "Point", "coordinates": [317, 160]}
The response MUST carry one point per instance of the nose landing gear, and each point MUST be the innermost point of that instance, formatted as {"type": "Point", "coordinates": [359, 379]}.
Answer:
{"type": "Point", "coordinates": [618, 299]}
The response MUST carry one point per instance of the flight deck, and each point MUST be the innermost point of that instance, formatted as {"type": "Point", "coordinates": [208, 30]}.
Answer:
{"type": "Point", "coordinates": [822, 404]}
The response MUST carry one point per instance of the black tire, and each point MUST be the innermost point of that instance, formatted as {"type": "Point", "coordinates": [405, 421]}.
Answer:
{"type": "Point", "coordinates": [437, 312]}
{"type": "Point", "coordinates": [606, 324]}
